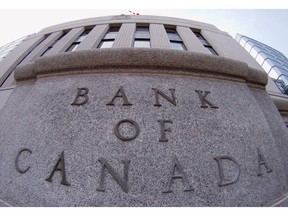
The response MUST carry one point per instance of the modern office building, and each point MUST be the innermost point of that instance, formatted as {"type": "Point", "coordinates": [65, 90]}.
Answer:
{"type": "Point", "coordinates": [275, 64]}
{"type": "Point", "coordinates": [139, 111]}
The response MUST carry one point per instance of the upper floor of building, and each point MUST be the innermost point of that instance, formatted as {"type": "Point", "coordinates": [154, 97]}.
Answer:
{"type": "Point", "coordinates": [123, 31]}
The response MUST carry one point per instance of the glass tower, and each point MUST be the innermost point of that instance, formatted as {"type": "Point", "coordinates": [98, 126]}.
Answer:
{"type": "Point", "coordinates": [271, 60]}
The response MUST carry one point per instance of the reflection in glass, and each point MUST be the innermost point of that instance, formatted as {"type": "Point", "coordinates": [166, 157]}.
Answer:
{"type": "Point", "coordinates": [178, 46]}
{"type": "Point", "coordinates": [142, 43]}
{"type": "Point", "coordinates": [106, 44]}
{"type": "Point", "coordinates": [142, 33]}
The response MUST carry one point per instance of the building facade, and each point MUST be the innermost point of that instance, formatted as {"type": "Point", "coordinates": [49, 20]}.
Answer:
{"type": "Point", "coordinates": [138, 111]}
{"type": "Point", "coordinates": [275, 64]}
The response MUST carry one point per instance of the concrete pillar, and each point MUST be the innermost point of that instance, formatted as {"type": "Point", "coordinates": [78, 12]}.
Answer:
{"type": "Point", "coordinates": [94, 37]}
{"type": "Point", "coordinates": [226, 47]}
{"type": "Point", "coordinates": [190, 41]}
{"type": "Point", "coordinates": [159, 38]}
{"type": "Point", "coordinates": [42, 47]}
{"type": "Point", "coordinates": [125, 35]}
{"type": "Point", "coordinates": [66, 41]}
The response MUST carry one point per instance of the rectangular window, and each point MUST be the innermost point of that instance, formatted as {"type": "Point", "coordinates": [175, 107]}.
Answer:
{"type": "Point", "coordinates": [76, 43]}
{"type": "Point", "coordinates": [205, 43]}
{"type": "Point", "coordinates": [109, 38]}
{"type": "Point", "coordinates": [142, 43]}
{"type": "Point", "coordinates": [51, 45]}
{"type": "Point", "coordinates": [142, 37]}
{"type": "Point", "coordinates": [175, 40]}
{"type": "Point", "coordinates": [106, 44]}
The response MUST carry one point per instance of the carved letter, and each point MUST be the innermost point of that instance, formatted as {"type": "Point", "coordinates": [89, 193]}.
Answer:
{"type": "Point", "coordinates": [59, 166]}
{"type": "Point", "coordinates": [157, 92]}
{"type": "Point", "coordinates": [17, 158]}
{"type": "Point", "coordinates": [120, 93]}
{"type": "Point", "coordinates": [163, 130]}
{"type": "Point", "coordinates": [204, 101]}
{"type": "Point", "coordinates": [121, 137]}
{"type": "Point", "coordinates": [261, 161]}
{"type": "Point", "coordinates": [223, 181]}
{"type": "Point", "coordinates": [122, 182]}
{"type": "Point", "coordinates": [82, 92]}
{"type": "Point", "coordinates": [177, 165]}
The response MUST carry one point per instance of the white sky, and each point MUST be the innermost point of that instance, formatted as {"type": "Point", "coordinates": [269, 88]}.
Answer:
{"type": "Point", "coordinates": [254, 19]}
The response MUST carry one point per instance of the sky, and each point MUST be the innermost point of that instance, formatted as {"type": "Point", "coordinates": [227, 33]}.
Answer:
{"type": "Point", "coordinates": [263, 22]}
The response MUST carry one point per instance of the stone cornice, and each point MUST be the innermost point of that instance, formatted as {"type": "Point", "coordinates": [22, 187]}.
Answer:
{"type": "Point", "coordinates": [142, 61]}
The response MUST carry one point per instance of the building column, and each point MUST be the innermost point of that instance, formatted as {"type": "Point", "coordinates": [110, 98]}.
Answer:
{"type": "Point", "coordinates": [66, 41]}
{"type": "Point", "coordinates": [190, 40]}
{"type": "Point", "coordinates": [159, 38]}
{"type": "Point", "coordinates": [42, 47]}
{"type": "Point", "coordinates": [93, 39]}
{"type": "Point", "coordinates": [125, 36]}
{"type": "Point", "coordinates": [226, 47]}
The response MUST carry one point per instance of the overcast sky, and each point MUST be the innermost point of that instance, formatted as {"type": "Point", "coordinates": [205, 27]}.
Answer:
{"type": "Point", "coordinates": [265, 25]}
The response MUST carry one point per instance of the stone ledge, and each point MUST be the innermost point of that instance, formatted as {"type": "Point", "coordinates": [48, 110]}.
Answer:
{"type": "Point", "coordinates": [281, 102]}
{"type": "Point", "coordinates": [154, 61]}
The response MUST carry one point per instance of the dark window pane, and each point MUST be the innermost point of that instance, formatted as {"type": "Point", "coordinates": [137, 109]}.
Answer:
{"type": "Point", "coordinates": [112, 33]}
{"type": "Point", "coordinates": [211, 50]}
{"type": "Point", "coordinates": [142, 29]}
{"type": "Point", "coordinates": [114, 29]}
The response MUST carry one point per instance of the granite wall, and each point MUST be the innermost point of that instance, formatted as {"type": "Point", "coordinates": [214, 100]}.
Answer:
{"type": "Point", "coordinates": [129, 127]}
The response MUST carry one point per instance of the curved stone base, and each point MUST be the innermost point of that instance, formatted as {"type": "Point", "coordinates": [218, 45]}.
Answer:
{"type": "Point", "coordinates": [140, 138]}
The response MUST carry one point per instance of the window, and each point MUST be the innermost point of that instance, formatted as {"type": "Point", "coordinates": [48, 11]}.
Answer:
{"type": "Point", "coordinates": [282, 83]}
{"type": "Point", "coordinates": [51, 45]}
{"type": "Point", "coordinates": [106, 44]}
{"type": "Point", "coordinates": [175, 40]}
{"type": "Point", "coordinates": [142, 37]}
{"type": "Point", "coordinates": [142, 43]}
{"type": "Point", "coordinates": [76, 43]}
{"type": "Point", "coordinates": [108, 40]}
{"type": "Point", "coordinates": [205, 43]}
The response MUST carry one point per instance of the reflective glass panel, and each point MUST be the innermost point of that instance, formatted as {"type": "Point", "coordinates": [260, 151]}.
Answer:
{"type": "Point", "coordinates": [178, 46]}
{"type": "Point", "coordinates": [106, 44]}
{"type": "Point", "coordinates": [139, 43]}
{"type": "Point", "coordinates": [142, 32]}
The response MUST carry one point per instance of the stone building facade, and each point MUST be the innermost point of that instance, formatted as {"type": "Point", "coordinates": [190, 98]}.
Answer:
{"type": "Point", "coordinates": [138, 111]}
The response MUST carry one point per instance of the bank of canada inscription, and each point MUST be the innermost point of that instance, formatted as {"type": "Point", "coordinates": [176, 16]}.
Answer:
{"type": "Point", "coordinates": [177, 169]}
